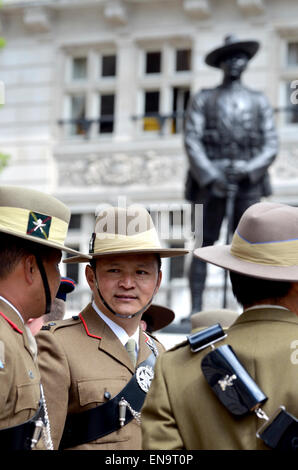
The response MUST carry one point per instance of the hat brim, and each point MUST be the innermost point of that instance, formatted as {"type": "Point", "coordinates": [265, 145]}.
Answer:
{"type": "Point", "coordinates": [249, 47]}
{"type": "Point", "coordinates": [162, 252]}
{"type": "Point", "coordinates": [42, 241]}
{"type": "Point", "coordinates": [221, 256]}
{"type": "Point", "coordinates": [160, 316]}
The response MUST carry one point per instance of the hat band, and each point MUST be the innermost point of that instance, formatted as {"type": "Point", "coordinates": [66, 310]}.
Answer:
{"type": "Point", "coordinates": [115, 242]}
{"type": "Point", "coordinates": [277, 253]}
{"type": "Point", "coordinates": [19, 221]}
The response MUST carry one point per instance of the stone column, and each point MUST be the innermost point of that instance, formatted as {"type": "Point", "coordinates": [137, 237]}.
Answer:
{"type": "Point", "coordinates": [125, 106]}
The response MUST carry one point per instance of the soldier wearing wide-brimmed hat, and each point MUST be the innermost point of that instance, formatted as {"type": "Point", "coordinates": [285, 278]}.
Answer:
{"type": "Point", "coordinates": [263, 264]}
{"type": "Point", "coordinates": [33, 228]}
{"type": "Point", "coordinates": [230, 141]}
{"type": "Point", "coordinates": [95, 383]}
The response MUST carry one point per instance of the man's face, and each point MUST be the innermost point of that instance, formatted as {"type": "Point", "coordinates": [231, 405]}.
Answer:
{"type": "Point", "coordinates": [127, 282]}
{"type": "Point", "coordinates": [233, 66]}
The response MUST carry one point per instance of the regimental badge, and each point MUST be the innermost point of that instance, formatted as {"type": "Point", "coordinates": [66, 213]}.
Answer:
{"type": "Point", "coordinates": [144, 376]}
{"type": "Point", "coordinates": [227, 381]}
{"type": "Point", "coordinates": [39, 225]}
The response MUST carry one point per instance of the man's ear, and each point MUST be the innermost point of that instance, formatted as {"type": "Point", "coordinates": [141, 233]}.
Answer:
{"type": "Point", "coordinates": [30, 268]}
{"type": "Point", "coordinates": [89, 273]}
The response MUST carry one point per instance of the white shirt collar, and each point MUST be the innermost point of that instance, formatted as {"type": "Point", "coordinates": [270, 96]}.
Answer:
{"type": "Point", "coordinates": [117, 330]}
{"type": "Point", "coordinates": [254, 307]}
{"type": "Point", "coordinates": [12, 306]}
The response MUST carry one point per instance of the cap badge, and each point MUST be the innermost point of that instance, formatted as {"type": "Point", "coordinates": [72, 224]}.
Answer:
{"type": "Point", "coordinates": [39, 225]}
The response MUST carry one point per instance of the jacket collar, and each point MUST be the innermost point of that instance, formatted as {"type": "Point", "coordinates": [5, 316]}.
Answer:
{"type": "Point", "coordinates": [13, 319]}
{"type": "Point", "coordinates": [268, 314]}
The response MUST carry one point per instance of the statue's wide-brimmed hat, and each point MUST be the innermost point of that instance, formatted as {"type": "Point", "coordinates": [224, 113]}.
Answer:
{"type": "Point", "coordinates": [122, 231]}
{"type": "Point", "coordinates": [158, 317]}
{"type": "Point", "coordinates": [264, 245]}
{"type": "Point", "coordinates": [231, 45]}
{"type": "Point", "coordinates": [34, 216]}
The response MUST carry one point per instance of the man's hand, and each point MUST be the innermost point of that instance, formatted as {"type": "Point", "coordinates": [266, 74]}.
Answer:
{"type": "Point", "coordinates": [220, 185]}
{"type": "Point", "coordinates": [237, 171]}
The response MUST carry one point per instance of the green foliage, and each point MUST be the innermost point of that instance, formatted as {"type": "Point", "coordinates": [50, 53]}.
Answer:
{"type": "Point", "coordinates": [3, 161]}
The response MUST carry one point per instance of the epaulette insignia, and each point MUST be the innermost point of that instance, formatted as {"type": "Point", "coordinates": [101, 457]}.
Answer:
{"type": "Point", "coordinates": [48, 325]}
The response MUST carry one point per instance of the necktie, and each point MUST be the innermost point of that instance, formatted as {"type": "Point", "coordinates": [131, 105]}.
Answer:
{"type": "Point", "coordinates": [130, 347]}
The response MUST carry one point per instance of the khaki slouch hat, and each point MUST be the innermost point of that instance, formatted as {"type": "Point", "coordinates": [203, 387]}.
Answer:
{"type": "Point", "coordinates": [34, 216]}
{"type": "Point", "coordinates": [264, 245]}
{"type": "Point", "coordinates": [122, 231]}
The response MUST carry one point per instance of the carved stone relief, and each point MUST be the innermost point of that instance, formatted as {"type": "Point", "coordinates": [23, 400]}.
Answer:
{"type": "Point", "coordinates": [147, 168]}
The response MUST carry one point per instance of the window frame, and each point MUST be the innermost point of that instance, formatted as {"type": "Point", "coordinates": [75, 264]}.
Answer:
{"type": "Point", "coordinates": [166, 81]}
{"type": "Point", "coordinates": [92, 87]}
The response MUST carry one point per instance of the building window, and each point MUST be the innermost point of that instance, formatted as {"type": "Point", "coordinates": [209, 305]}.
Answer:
{"type": "Point", "coordinates": [106, 105]}
{"type": "Point", "coordinates": [79, 68]}
{"type": "Point", "coordinates": [77, 114]}
{"type": "Point", "coordinates": [153, 62]}
{"type": "Point", "coordinates": [164, 89]}
{"type": "Point", "coordinates": [75, 222]}
{"type": "Point", "coordinates": [90, 93]}
{"type": "Point", "coordinates": [180, 101]}
{"type": "Point", "coordinates": [292, 54]}
{"type": "Point", "coordinates": [108, 67]}
{"type": "Point", "coordinates": [151, 123]}
{"type": "Point", "coordinates": [183, 60]}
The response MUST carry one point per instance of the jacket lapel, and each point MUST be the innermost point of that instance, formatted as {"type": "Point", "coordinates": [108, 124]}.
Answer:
{"type": "Point", "coordinates": [113, 346]}
{"type": "Point", "coordinates": [144, 350]}
{"type": "Point", "coordinates": [108, 342]}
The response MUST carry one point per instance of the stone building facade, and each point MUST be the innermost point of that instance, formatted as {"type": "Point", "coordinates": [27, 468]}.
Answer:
{"type": "Point", "coordinates": [95, 96]}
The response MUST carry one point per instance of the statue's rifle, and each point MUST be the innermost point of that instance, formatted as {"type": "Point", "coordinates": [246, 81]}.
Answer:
{"type": "Point", "coordinates": [230, 207]}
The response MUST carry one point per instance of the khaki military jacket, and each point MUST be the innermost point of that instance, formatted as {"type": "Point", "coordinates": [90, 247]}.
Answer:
{"type": "Point", "coordinates": [182, 412]}
{"type": "Point", "coordinates": [19, 373]}
{"type": "Point", "coordinates": [81, 360]}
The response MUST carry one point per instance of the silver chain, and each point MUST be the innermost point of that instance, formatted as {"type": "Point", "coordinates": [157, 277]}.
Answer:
{"type": "Point", "coordinates": [136, 414]}
{"type": "Point", "coordinates": [46, 431]}
{"type": "Point", "coordinates": [261, 414]}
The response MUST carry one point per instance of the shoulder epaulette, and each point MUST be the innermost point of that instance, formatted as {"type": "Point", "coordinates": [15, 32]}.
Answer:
{"type": "Point", "coordinates": [54, 325]}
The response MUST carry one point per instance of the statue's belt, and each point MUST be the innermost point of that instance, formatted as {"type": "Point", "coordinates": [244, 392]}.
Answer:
{"type": "Point", "coordinates": [104, 419]}
{"type": "Point", "coordinates": [26, 435]}
{"type": "Point", "coordinates": [238, 392]}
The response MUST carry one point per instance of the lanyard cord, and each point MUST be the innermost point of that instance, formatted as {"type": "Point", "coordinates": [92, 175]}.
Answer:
{"type": "Point", "coordinates": [45, 284]}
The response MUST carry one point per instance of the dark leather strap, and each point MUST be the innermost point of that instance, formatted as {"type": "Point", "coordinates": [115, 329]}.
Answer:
{"type": "Point", "coordinates": [19, 437]}
{"type": "Point", "coordinates": [97, 422]}
{"type": "Point", "coordinates": [45, 284]}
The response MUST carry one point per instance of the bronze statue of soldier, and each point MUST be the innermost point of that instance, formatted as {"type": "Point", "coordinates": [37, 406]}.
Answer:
{"type": "Point", "coordinates": [230, 141]}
